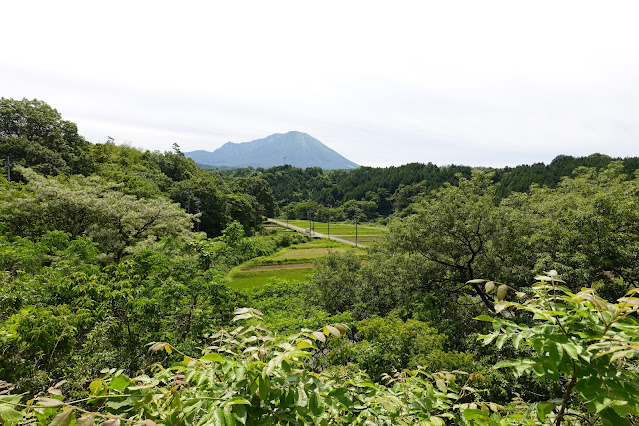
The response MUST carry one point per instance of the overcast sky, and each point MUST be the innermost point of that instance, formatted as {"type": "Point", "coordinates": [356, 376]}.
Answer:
{"type": "Point", "coordinates": [489, 83]}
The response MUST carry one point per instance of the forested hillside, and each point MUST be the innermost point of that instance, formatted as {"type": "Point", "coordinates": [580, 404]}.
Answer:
{"type": "Point", "coordinates": [381, 192]}
{"type": "Point", "coordinates": [480, 306]}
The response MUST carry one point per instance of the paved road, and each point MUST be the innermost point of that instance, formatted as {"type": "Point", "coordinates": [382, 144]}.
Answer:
{"type": "Point", "coordinates": [314, 234]}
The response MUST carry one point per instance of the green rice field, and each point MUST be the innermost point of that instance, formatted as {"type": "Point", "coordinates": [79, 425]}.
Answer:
{"type": "Point", "coordinates": [346, 231]}
{"type": "Point", "coordinates": [241, 280]}
{"type": "Point", "coordinates": [256, 272]}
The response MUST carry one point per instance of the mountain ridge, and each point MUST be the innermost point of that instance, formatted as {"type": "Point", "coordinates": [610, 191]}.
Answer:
{"type": "Point", "coordinates": [294, 148]}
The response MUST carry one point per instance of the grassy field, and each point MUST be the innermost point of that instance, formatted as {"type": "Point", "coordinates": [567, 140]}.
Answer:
{"type": "Point", "coordinates": [249, 279]}
{"type": "Point", "coordinates": [346, 231]}
{"type": "Point", "coordinates": [242, 278]}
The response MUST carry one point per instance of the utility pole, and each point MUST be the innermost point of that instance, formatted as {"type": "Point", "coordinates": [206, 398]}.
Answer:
{"type": "Point", "coordinates": [357, 210]}
{"type": "Point", "coordinates": [8, 163]}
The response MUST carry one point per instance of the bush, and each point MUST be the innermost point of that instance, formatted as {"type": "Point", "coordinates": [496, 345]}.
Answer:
{"type": "Point", "coordinates": [387, 345]}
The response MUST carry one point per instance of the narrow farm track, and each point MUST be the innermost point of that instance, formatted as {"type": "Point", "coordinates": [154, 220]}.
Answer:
{"type": "Point", "coordinates": [313, 234]}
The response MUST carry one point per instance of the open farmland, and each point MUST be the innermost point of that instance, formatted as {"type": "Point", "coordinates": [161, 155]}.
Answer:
{"type": "Point", "coordinates": [295, 263]}
{"type": "Point", "coordinates": [366, 234]}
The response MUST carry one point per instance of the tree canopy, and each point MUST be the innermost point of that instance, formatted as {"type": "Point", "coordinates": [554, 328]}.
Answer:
{"type": "Point", "coordinates": [34, 134]}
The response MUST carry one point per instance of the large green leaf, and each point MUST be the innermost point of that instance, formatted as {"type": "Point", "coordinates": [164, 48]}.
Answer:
{"type": "Point", "coordinates": [9, 415]}
{"type": "Point", "coordinates": [119, 382]}
{"type": "Point", "coordinates": [543, 409]}
{"type": "Point", "coordinates": [63, 419]}
{"type": "Point", "coordinates": [610, 418]}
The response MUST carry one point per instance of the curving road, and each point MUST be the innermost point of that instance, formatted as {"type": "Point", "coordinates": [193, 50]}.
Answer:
{"type": "Point", "coordinates": [314, 234]}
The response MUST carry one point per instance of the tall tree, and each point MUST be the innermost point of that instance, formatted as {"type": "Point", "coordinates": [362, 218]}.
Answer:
{"type": "Point", "coordinates": [202, 195]}
{"type": "Point", "coordinates": [260, 191]}
{"type": "Point", "coordinates": [459, 234]}
{"type": "Point", "coordinates": [34, 134]}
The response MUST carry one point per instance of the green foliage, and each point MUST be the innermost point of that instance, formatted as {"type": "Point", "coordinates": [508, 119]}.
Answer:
{"type": "Point", "coordinates": [369, 188]}
{"type": "Point", "coordinates": [458, 233]}
{"type": "Point", "coordinates": [288, 306]}
{"type": "Point", "coordinates": [86, 207]}
{"type": "Point", "coordinates": [342, 282]}
{"type": "Point", "coordinates": [34, 135]}
{"type": "Point", "coordinates": [337, 280]}
{"type": "Point", "coordinates": [360, 210]}
{"type": "Point", "coordinates": [302, 210]}
{"type": "Point", "coordinates": [426, 265]}
{"type": "Point", "coordinates": [201, 195]}
{"type": "Point", "coordinates": [66, 315]}
{"type": "Point", "coordinates": [25, 264]}
{"type": "Point", "coordinates": [96, 266]}
{"type": "Point", "coordinates": [389, 345]}
{"type": "Point", "coordinates": [521, 178]}
{"type": "Point", "coordinates": [232, 248]}
{"type": "Point", "coordinates": [260, 191]}
{"type": "Point", "coordinates": [585, 228]}
{"type": "Point", "coordinates": [589, 344]}
{"type": "Point", "coordinates": [41, 338]}
{"type": "Point", "coordinates": [20, 254]}
{"type": "Point", "coordinates": [393, 189]}
{"type": "Point", "coordinates": [174, 165]}
{"type": "Point", "coordinates": [248, 376]}
{"type": "Point", "coordinates": [135, 179]}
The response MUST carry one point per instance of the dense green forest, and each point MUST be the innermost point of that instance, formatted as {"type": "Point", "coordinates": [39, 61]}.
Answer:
{"type": "Point", "coordinates": [497, 297]}
{"type": "Point", "coordinates": [377, 193]}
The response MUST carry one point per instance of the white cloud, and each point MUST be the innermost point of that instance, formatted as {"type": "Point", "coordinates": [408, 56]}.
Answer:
{"type": "Point", "coordinates": [481, 83]}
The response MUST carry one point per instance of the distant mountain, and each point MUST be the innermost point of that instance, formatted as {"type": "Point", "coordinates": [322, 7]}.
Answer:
{"type": "Point", "coordinates": [293, 148]}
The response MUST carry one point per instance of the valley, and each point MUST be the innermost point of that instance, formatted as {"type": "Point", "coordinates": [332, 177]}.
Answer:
{"type": "Point", "coordinates": [139, 288]}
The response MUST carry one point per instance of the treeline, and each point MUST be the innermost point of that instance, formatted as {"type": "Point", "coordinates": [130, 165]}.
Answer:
{"type": "Point", "coordinates": [521, 178]}
{"type": "Point", "coordinates": [33, 134]}
{"type": "Point", "coordinates": [377, 192]}
{"type": "Point", "coordinates": [374, 193]}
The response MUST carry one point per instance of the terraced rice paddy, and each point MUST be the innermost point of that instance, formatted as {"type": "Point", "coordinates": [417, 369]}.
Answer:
{"type": "Point", "coordinates": [295, 263]}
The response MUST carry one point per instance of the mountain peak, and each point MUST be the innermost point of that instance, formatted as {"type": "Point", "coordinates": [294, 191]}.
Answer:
{"type": "Point", "coordinates": [294, 148]}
